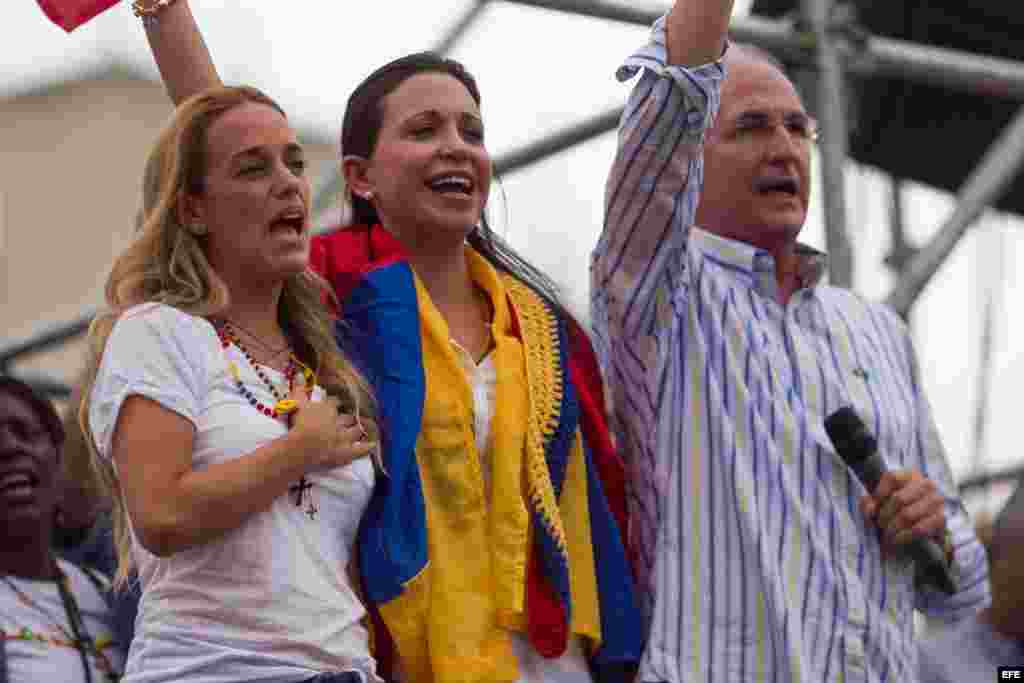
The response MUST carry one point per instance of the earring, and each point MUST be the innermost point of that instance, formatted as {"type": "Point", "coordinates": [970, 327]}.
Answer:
{"type": "Point", "coordinates": [197, 229]}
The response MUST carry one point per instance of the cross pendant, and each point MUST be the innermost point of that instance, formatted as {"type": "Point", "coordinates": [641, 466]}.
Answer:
{"type": "Point", "coordinates": [299, 489]}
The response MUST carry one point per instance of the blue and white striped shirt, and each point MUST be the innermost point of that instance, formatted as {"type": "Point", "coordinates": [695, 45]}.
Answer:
{"type": "Point", "coordinates": [753, 559]}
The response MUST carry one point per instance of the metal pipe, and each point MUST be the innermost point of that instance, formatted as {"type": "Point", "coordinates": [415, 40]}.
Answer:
{"type": "Point", "coordinates": [834, 140]}
{"type": "Point", "coordinates": [558, 141]}
{"type": "Point", "coordinates": [778, 37]}
{"type": "Point", "coordinates": [986, 184]}
{"type": "Point", "coordinates": [446, 44]}
{"type": "Point", "coordinates": [983, 481]}
{"type": "Point", "coordinates": [329, 185]}
{"type": "Point", "coordinates": [973, 73]}
{"type": "Point", "coordinates": [878, 56]}
{"type": "Point", "coordinates": [44, 339]}
{"type": "Point", "coordinates": [45, 385]}
{"type": "Point", "coordinates": [900, 250]}
{"type": "Point", "coordinates": [979, 427]}
{"type": "Point", "coordinates": [882, 57]}
{"type": "Point", "coordinates": [599, 9]}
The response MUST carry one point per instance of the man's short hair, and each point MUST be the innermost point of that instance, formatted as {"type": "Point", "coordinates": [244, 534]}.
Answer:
{"type": "Point", "coordinates": [758, 54]}
{"type": "Point", "coordinates": [41, 406]}
{"type": "Point", "coordinates": [792, 72]}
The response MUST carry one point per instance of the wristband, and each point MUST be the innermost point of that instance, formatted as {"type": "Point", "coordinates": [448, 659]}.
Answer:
{"type": "Point", "coordinates": [149, 13]}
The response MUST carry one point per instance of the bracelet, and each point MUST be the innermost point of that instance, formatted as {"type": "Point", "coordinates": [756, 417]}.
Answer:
{"type": "Point", "coordinates": [148, 14]}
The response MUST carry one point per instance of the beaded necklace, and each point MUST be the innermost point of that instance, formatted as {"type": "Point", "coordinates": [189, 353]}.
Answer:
{"type": "Point", "coordinates": [79, 638]}
{"type": "Point", "coordinates": [274, 353]}
{"type": "Point", "coordinates": [284, 407]}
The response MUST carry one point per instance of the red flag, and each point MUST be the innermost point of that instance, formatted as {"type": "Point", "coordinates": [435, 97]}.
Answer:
{"type": "Point", "coordinates": [70, 14]}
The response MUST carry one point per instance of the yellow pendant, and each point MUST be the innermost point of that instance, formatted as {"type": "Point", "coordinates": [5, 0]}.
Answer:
{"type": "Point", "coordinates": [285, 406]}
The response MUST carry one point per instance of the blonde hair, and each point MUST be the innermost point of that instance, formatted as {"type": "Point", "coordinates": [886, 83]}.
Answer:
{"type": "Point", "coordinates": [166, 263]}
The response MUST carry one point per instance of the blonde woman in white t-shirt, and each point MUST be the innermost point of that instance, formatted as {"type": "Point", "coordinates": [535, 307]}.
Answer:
{"type": "Point", "coordinates": [226, 423]}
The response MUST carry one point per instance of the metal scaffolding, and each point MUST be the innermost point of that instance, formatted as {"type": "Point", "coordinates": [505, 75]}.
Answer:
{"type": "Point", "coordinates": [825, 41]}
{"type": "Point", "coordinates": [44, 340]}
{"type": "Point", "coordinates": [826, 47]}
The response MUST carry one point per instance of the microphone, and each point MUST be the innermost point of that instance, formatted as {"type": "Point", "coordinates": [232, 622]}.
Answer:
{"type": "Point", "coordinates": [859, 450]}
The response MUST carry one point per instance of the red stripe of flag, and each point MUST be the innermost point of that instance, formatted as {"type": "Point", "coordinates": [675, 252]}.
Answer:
{"type": "Point", "coordinates": [70, 14]}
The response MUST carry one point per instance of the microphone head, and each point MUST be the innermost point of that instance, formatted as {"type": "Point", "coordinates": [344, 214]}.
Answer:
{"type": "Point", "coordinates": [849, 435]}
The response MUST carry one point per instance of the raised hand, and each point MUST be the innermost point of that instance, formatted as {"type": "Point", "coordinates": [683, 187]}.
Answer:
{"type": "Point", "coordinates": [697, 30]}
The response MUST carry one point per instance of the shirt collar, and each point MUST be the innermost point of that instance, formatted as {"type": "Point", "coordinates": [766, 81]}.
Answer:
{"type": "Point", "coordinates": [757, 262]}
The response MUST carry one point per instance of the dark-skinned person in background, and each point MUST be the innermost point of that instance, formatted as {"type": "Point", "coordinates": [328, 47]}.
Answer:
{"type": "Point", "coordinates": [55, 619]}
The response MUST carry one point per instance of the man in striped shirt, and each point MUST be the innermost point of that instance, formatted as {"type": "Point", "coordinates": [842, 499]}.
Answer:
{"type": "Point", "coordinates": [759, 555]}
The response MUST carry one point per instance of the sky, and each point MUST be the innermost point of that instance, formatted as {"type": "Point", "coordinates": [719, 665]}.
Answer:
{"type": "Point", "coordinates": [540, 71]}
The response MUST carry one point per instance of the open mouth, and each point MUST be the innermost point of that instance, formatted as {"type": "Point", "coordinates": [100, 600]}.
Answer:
{"type": "Point", "coordinates": [18, 484]}
{"type": "Point", "coordinates": [787, 186]}
{"type": "Point", "coordinates": [452, 184]}
{"type": "Point", "coordinates": [292, 220]}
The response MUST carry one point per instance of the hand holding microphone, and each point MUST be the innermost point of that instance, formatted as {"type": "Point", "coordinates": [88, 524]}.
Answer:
{"type": "Point", "coordinates": [906, 506]}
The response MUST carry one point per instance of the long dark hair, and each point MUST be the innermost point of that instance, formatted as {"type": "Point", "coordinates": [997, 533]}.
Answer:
{"type": "Point", "coordinates": [364, 116]}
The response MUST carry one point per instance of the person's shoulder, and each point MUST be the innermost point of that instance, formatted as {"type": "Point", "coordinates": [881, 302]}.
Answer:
{"type": "Point", "coordinates": [851, 302]}
{"type": "Point", "coordinates": [154, 312]}
{"type": "Point", "coordinates": [159, 319]}
{"type": "Point", "coordinates": [151, 331]}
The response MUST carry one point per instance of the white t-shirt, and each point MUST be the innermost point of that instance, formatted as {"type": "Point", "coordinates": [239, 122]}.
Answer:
{"type": "Point", "coordinates": [572, 666]}
{"type": "Point", "coordinates": [270, 600]}
{"type": "Point", "coordinates": [39, 638]}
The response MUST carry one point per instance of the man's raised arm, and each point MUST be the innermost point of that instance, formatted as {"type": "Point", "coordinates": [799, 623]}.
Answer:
{"type": "Point", "coordinates": [655, 181]}
{"type": "Point", "coordinates": [180, 52]}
